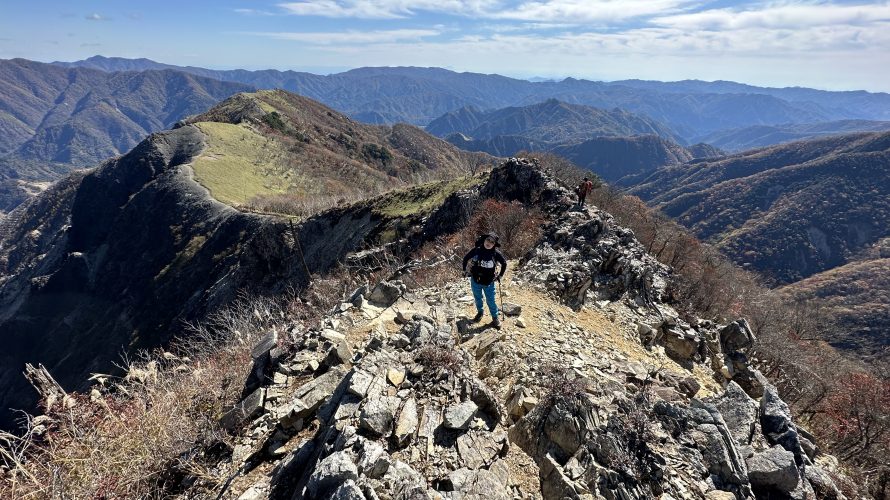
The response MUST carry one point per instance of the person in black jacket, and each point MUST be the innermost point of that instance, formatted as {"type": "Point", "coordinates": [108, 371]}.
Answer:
{"type": "Point", "coordinates": [483, 274]}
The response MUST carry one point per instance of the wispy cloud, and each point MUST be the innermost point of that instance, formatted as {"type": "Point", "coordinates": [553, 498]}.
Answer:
{"type": "Point", "coordinates": [96, 17]}
{"type": "Point", "coordinates": [254, 12]}
{"type": "Point", "coordinates": [779, 16]}
{"type": "Point", "coordinates": [387, 9]}
{"type": "Point", "coordinates": [543, 11]}
{"type": "Point", "coordinates": [351, 37]}
{"type": "Point", "coordinates": [587, 11]}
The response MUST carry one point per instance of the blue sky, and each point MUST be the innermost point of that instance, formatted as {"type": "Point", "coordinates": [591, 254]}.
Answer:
{"type": "Point", "coordinates": [823, 44]}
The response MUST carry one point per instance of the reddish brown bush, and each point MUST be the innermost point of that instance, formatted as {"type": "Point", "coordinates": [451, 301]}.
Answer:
{"type": "Point", "coordinates": [859, 413]}
{"type": "Point", "coordinates": [518, 228]}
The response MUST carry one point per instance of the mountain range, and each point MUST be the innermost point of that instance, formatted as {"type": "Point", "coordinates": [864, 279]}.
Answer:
{"type": "Point", "coordinates": [791, 210]}
{"type": "Point", "coordinates": [758, 136]}
{"type": "Point", "coordinates": [550, 121]}
{"type": "Point", "coordinates": [419, 95]}
{"type": "Point", "coordinates": [612, 143]}
{"type": "Point", "coordinates": [55, 119]}
{"type": "Point", "coordinates": [59, 116]}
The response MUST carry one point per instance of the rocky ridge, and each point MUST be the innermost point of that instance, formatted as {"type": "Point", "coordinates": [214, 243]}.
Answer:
{"type": "Point", "coordinates": [594, 389]}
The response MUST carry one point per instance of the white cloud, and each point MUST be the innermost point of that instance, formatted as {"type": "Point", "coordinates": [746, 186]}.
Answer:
{"type": "Point", "coordinates": [386, 9]}
{"type": "Point", "coordinates": [359, 38]}
{"type": "Point", "coordinates": [254, 12]}
{"type": "Point", "coordinates": [778, 16]}
{"type": "Point", "coordinates": [786, 42]}
{"type": "Point", "coordinates": [96, 17]}
{"type": "Point", "coordinates": [588, 11]}
{"type": "Point", "coordinates": [547, 11]}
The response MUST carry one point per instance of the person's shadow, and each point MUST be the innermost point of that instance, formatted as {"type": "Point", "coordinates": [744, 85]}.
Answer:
{"type": "Point", "coordinates": [467, 329]}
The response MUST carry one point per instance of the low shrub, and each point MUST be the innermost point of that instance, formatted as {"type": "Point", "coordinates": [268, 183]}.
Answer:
{"type": "Point", "coordinates": [145, 435]}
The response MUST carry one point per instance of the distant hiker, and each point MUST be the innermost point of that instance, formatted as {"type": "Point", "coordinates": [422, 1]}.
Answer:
{"type": "Point", "coordinates": [482, 274]}
{"type": "Point", "coordinates": [583, 190]}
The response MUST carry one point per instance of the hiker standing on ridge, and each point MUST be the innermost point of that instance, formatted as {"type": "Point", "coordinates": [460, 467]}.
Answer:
{"type": "Point", "coordinates": [482, 274]}
{"type": "Point", "coordinates": [583, 190]}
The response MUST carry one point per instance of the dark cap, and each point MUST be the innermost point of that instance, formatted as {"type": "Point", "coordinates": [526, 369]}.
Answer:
{"type": "Point", "coordinates": [486, 236]}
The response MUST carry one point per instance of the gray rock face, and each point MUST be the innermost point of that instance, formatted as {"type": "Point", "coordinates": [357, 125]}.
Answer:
{"type": "Point", "coordinates": [736, 336]}
{"type": "Point", "coordinates": [407, 424]}
{"type": "Point", "coordinates": [330, 472]}
{"type": "Point", "coordinates": [586, 252]}
{"type": "Point", "coordinates": [569, 424]}
{"type": "Point", "coordinates": [511, 309]}
{"type": "Point", "coordinates": [377, 414]}
{"type": "Point", "coordinates": [716, 454]}
{"type": "Point", "coordinates": [385, 294]}
{"type": "Point", "coordinates": [739, 412]}
{"type": "Point", "coordinates": [459, 416]}
{"type": "Point", "coordinates": [478, 484]}
{"type": "Point", "coordinates": [778, 427]}
{"type": "Point", "coordinates": [773, 469]}
{"type": "Point", "coordinates": [348, 491]}
{"type": "Point", "coordinates": [480, 449]}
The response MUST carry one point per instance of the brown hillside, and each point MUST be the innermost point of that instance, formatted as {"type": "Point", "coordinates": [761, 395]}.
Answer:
{"type": "Point", "coordinates": [274, 148]}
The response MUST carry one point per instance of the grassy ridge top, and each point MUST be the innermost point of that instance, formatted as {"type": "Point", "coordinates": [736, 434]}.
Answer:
{"type": "Point", "coordinates": [279, 152]}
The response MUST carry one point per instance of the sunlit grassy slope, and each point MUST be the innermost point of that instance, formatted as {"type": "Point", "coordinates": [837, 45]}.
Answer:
{"type": "Point", "coordinates": [274, 151]}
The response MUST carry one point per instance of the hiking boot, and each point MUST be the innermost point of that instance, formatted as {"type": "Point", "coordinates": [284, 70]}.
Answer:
{"type": "Point", "coordinates": [478, 317]}
{"type": "Point", "coordinates": [496, 322]}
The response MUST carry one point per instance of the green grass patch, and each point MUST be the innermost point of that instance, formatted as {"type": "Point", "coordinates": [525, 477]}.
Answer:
{"type": "Point", "coordinates": [239, 164]}
{"type": "Point", "coordinates": [187, 253]}
{"type": "Point", "coordinates": [422, 198]}
{"type": "Point", "coordinates": [268, 108]}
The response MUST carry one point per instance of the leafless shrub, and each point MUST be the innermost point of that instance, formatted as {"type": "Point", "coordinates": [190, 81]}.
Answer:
{"type": "Point", "coordinates": [560, 384]}
{"type": "Point", "coordinates": [288, 204]}
{"type": "Point", "coordinates": [634, 430]}
{"type": "Point", "coordinates": [139, 436]}
{"type": "Point", "coordinates": [438, 263]}
{"type": "Point", "coordinates": [435, 359]}
{"type": "Point", "coordinates": [517, 226]}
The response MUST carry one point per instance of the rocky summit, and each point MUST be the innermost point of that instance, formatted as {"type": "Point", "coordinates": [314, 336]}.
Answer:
{"type": "Point", "coordinates": [594, 387]}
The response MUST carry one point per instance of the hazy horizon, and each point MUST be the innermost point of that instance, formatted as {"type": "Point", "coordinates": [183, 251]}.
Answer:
{"type": "Point", "coordinates": [831, 45]}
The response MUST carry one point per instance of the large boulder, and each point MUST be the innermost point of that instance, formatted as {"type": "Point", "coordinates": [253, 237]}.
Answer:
{"type": "Point", "coordinates": [385, 294]}
{"type": "Point", "coordinates": [739, 412]}
{"type": "Point", "coordinates": [775, 420]}
{"type": "Point", "coordinates": [741, 372]}
{"type": "Point", "coordinates": [682, 345]}
{"type": "Point", "coordinates": [460, 416]}
{"type": "Point", "coordinates": [718, 454]}
{"type": "Point", "coordinates": [773, 469]}
{"type": "Point", "coordinates": [331, 472]}
{"type": "Point", "coordinates": [377, 414]}
{"type": "Point", "coordinates": [736, 336]}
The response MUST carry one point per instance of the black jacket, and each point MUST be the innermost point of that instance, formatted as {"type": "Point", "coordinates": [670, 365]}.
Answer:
{"type": "Point", "coordinates": [484, 260]}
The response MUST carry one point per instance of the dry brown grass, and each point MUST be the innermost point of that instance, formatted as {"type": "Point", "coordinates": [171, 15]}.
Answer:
{"type": "Point", "coordinates": [144, 435]}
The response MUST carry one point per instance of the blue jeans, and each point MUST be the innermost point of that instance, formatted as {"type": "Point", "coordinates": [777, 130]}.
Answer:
{"type": "Point", "coordinates": [489, 297]}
